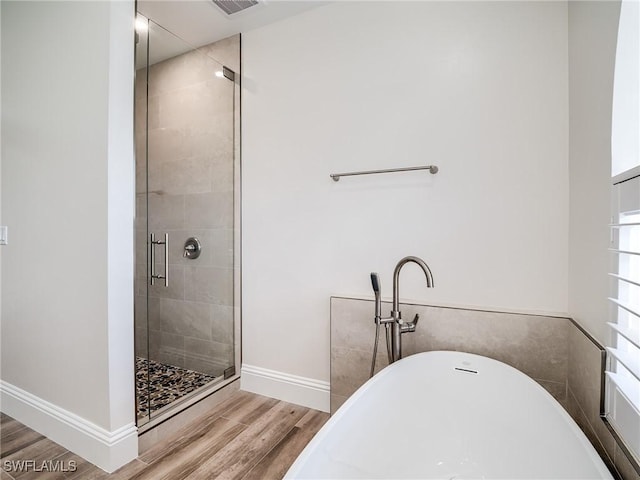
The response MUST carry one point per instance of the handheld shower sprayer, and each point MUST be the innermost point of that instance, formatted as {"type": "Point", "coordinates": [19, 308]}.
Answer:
{"type": "Point", "coordinates": [375, 283]}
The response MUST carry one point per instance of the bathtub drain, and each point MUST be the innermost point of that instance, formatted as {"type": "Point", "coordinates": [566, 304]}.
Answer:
{"type": "Point", "coordinates": [466, 370]}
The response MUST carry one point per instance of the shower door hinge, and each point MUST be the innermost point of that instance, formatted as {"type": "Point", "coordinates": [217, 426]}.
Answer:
{"type": "Point", "coordinates": [230, 372]}
{"type": "Point", "coordinates": [229, 74]}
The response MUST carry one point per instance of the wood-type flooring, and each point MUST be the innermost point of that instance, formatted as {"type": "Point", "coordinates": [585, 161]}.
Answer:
{"type": "Point", "coordinates": [246, 437]}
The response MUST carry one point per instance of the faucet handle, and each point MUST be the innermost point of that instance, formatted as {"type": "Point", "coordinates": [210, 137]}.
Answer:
{"type": "Point", "coordinates": [410, 326]}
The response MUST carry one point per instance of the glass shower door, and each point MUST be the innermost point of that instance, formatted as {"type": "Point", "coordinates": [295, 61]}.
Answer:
{"type": "Point", "coordinates": [185, 295]}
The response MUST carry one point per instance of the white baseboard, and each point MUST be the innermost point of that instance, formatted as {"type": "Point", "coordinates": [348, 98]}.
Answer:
{"type": "Point", "coordinates": [307, 392]}
{"type": "Point", "coordinates": [108, 450]}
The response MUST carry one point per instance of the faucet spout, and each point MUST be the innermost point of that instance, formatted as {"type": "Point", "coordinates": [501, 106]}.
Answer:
{"type": "Point", "coordinates": [396, 278]}
{"type": "Point", "coordinates": [397, 330]}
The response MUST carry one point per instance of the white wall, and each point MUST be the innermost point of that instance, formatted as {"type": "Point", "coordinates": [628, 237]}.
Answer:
{"type": "Point", "coordinates": [67, 197]}
{"type": "Point", "coordinates": [593, 30]}
{"type": "Point", "coordinates": [625, 129]}
{"type": "Point", "coordinates": [0, 185]}
{"type": "Point", "coordinates": [478, 88]}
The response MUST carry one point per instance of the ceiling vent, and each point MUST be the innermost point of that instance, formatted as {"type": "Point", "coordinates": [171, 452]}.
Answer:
{"type": "Point", "coordinates": [234, 6]}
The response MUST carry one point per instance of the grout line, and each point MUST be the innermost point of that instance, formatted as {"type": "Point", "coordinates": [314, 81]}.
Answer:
{"type": "Point", "coordinates": [587, 421]}
{"type": "Point", "coordinates": [561, 382]}
{"type": "Point", "coordinates": [620, 445]}
{"type": "Point", "coordinates": [608, 461]}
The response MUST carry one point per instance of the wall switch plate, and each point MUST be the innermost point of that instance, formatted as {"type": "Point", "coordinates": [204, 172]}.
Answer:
{"type": "Point", "coordinates": [4, 235]}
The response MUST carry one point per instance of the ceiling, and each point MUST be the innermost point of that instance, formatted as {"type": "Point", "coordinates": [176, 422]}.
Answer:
{"type": "Point", "coordinates": [200, 22]}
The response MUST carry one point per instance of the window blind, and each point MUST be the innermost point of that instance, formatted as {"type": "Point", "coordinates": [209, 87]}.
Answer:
{"type": "Point", "coordinates": [622, 383]}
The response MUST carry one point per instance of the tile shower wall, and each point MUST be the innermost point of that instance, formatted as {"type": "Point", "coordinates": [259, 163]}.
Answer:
{"type": "Point", "coordinates": [533, 344]}
{"type": "Point", "coordinates": [191, 193]}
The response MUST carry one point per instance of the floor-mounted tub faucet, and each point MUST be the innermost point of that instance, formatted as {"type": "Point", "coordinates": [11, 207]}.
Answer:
{"type": "Point", "coordinates": [394, 325]}
{"type": "Point", "coordinates": [398, 327]}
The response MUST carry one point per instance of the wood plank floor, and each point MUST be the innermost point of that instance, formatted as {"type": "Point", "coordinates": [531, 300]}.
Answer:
{"type": "Point", "coordinates": [246, 437]}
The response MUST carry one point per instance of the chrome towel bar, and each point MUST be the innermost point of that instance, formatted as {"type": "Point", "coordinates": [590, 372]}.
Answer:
{"type": "Point", "coordinates": [432, 169]}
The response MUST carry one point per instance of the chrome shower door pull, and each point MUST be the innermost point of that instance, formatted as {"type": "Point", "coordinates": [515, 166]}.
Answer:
{"type": "Point", "coordinates": [152, 258]}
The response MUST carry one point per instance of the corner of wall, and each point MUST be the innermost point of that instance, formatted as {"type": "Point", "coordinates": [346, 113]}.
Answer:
{"type": "Point", "coordinates": [592, 44]}
{"type": "Point", "coordinates": [120, 215]}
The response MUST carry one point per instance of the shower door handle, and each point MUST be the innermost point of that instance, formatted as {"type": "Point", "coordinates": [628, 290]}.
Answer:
{"type": "Point", "coordinates": [152, 258]}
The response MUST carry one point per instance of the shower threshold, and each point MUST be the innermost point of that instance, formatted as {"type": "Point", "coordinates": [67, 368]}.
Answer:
{"type": "Point", "coordinates": [166, 384]}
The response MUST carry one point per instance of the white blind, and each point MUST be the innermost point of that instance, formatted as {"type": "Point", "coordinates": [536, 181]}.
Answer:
{"type": "Point", "coordinates": [623, 376]}
{"type": "Point", "coordinates": [622, 379]}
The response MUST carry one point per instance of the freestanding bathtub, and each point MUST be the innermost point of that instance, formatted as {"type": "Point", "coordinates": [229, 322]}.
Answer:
{"type": "Point", "coordinates": [449, 415]}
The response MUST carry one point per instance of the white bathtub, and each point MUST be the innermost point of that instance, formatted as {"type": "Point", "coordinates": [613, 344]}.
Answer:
{"type": "Point", "coordinates": [450, 415]}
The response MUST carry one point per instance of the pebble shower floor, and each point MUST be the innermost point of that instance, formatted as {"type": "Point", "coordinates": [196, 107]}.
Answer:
{"type": "Point", "coordinates": [166, 384]}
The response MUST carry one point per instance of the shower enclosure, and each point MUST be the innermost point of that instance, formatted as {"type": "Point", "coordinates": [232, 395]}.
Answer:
{"type": "Point", "coordinates": [187, 219]}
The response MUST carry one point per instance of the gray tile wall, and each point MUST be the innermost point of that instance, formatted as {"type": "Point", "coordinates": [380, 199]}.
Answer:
{"type": "Point", "coordinates": [583, 401]}
{"type": "Point", "coordinates": [553, 351]}
{"type": "Point", "coordinates": [533, 344]}
{"type": "Point", "coordinates": [191, 145]}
